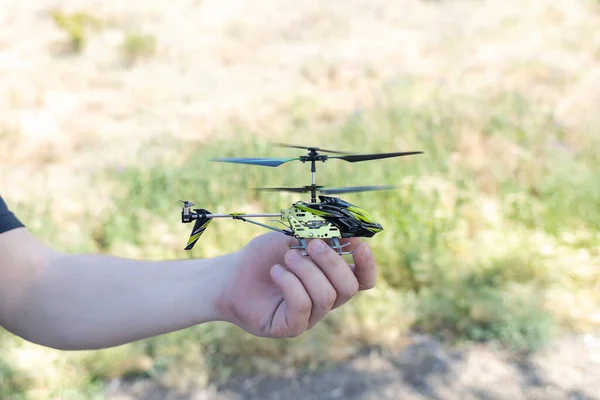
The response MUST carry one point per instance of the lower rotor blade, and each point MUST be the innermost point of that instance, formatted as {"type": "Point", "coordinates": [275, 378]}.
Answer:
{"type": "Point", "coordinates": [355, 189]}
{"type": "Point", "coordinates": [304, 189]}
{"type": "Point", "coordinates": [266, 162]}
{"type": "Point", "coordinates": [366, 157]}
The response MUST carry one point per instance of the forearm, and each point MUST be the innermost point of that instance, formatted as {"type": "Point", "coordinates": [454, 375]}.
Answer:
{"type": "Point", "coordinates": [97, 301]}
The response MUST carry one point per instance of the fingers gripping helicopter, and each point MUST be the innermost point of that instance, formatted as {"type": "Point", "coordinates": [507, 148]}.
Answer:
{"type": "Point", "coordinates": [330, 218]}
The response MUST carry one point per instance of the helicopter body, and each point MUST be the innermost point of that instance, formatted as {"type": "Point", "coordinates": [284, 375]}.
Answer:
{"type": "Point", "coordinates": [330, 218]}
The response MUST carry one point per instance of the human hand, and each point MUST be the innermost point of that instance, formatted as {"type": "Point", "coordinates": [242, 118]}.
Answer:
{"type": "Point", "coordinates": [273, 291]}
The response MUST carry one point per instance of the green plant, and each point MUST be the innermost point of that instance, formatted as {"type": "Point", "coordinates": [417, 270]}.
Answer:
{"type": "Point", "coordinates": [13, 384]}
{"type": "Point", "coordinates": [485, 313]}
{"type": "Point", "coordinates": [75, 25]}
{"type": "Point", "coordinates": [136, 46]}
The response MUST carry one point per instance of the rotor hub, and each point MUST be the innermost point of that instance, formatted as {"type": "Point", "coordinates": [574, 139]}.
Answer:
{"type": "Point", "coordinates": [313, 156]}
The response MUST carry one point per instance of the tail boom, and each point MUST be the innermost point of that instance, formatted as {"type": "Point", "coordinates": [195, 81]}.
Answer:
{"type": "Point", "coordinates": [203, 218]}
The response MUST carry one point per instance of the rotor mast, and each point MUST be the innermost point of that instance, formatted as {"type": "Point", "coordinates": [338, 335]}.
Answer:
{"type": "Point", "coordinates": [313, 187]}
{"type": "Point", "coordinates": [313, 157]}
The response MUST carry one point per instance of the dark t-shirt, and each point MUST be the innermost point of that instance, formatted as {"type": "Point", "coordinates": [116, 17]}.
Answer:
{"type": "Point", "coordinates": [8, 220]}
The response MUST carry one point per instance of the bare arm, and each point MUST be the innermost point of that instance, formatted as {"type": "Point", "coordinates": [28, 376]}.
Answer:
{"type": "Point", "coordinates": [75, 302]}
{"type": "Point", "coordinates": [83, 302]}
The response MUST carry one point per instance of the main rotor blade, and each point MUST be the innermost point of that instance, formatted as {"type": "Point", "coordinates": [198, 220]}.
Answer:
{"type": "Point", "coordinates": [267, 162]}
{"type": "Point", "coordinates": [365, 157]}
{"type": "Point", "coordinates": [310, 148]}
{"type": "Point", "coordinates": [354, 189]}
{"type": "Point", "coordinates": [326, 191]}
{"type": "Point", "coordinates": [303, 189]}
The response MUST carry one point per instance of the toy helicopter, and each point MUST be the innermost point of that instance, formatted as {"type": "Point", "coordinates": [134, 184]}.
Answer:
{"type": "Point", "coordinates": [330, 218]}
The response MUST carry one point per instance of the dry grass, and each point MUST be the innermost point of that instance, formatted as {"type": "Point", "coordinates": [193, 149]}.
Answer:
{"type": "Point", "coordinates": [500, 92]}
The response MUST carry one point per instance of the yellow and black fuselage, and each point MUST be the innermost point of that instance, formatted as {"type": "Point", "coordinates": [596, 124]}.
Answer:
{"type": "Point", "coordinates": [330, 218]}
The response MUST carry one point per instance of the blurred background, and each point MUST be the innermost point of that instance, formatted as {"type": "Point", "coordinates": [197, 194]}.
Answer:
{"type": "Point", "coordinates": [489, 264]}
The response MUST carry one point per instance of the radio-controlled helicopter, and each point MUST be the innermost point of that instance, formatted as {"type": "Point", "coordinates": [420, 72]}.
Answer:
{"type": "Point", "coordinates": [330, 218]}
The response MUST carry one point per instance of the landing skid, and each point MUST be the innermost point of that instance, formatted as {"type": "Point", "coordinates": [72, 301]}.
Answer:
{"type": "Point", "coordinates": [334, 243]}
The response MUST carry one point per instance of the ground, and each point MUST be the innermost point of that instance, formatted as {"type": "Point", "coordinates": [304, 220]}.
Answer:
{"type": "Point", "coordinates": [425, 369]}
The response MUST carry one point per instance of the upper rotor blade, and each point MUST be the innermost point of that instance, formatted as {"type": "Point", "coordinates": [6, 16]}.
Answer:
{"type": "Point", "coordinates": [354, 189]}
{"type": "Point", "coordinates": [304, 189]}
{"type": "Point", "coordinates": [267, 162]}
{"type": "Point", "coordinates": [310, 148]}
{"type": "Point", "coordinates": [365, 157]}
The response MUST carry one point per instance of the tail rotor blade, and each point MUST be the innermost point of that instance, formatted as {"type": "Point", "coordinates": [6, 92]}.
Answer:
{"type": "Point", "coordinates": [199, 227]}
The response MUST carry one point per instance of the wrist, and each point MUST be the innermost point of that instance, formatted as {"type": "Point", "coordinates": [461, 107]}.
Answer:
{"type": "Point", "coordinates": [215, 294]}
{"type": "Point", "coordinates": [224, 302]}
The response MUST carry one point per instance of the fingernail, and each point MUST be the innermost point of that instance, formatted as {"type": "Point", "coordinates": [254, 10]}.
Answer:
{"type": "Point", "coordinates": [277, 271]}
{"type": "Point", "coordinates": [366, 251]}
{"type": "Point", "coordinates": [293, 256]}
{"type": "Point", "coordinates": [318, 246]}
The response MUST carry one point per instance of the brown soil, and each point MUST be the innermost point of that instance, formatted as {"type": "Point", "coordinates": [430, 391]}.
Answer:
{"type": "Point", "coordinates": [569, 369]}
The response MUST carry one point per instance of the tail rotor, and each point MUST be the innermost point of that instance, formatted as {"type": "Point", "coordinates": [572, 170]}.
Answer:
{"type": "Point", "coordinates": [202, 222]}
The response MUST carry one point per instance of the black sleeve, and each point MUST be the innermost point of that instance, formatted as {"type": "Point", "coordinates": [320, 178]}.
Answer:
{"type": "Point", "coordinates": [8, 220]}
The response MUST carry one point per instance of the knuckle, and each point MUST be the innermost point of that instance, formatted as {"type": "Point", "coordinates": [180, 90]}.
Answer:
{"type": "Point", "coordinates": [329, 298]}
{"type": "Point", "coordinates": [350, 289]}
{"type": "Point", "coordinates": [305, 306]}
